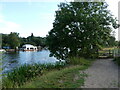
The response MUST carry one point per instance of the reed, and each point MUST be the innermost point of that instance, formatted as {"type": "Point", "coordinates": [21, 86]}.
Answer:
{"type": "Point", "coordinates": [26, 72]}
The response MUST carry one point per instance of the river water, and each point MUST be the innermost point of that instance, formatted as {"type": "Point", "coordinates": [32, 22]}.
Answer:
{"type": "Point", "coordinates": [15, 59]}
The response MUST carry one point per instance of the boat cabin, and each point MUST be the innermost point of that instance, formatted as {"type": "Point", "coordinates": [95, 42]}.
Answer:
{"type": "Point", "coordinates": [29, 47]}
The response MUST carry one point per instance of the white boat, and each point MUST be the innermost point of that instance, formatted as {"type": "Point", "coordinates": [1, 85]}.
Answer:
{"type": "Point", "coordinates": [2, 50]}
{"type": "Point", "coordinates": [28, 47]}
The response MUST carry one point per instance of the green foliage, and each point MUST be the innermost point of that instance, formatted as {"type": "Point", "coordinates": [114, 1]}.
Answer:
{"type": "Point", "coordinates": [5, 40]}
{"type": "Point", "coordinates": [117, 60]}
{"type": "Point", "coordinates": [79, 29]}
{"type": "Point", "coordinates": [26, 72]}
{"type": "Point", "coordinates": [11, 40]}
{"type": "Point", "coordinates": [79, 61]}
{"type": "Point", "coordinates": [64, 78]}
{"type": "Point", "coordinates": [20, 75]}
{"type": "Point", "coordinates": [37, 41]}
{"type": "Point", "coordinates": [110, 42]}
{"type": "Point", "coordinates": [37, 75]}
{"type": "Point", "coordinates": [119, 44]}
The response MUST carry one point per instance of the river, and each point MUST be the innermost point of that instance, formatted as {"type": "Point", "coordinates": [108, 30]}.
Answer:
{"type": "Point", "coordinates": [11, 60]}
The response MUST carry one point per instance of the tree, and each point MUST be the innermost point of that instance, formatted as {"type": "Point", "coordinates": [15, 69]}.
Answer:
{"type": "Point", "coordinates": [112, 42]}
{"type": "Point", "coordinates": [119, 44]}
{"type": "Point", "coordinates": [5, 40]}
{"type": "Point", "coordinates": [13, 40]}
{"type": "Point", "coordinates": [79, 29]}
{"type": "Point", "coordinates": [37, 41]}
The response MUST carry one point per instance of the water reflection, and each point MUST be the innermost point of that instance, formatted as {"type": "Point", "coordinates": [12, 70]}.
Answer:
{"type": "Point", "coordinates": [13, 60]}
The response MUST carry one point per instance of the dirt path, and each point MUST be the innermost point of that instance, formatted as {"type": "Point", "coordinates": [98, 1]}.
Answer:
{"type": "Point", "coordinates": [102, 74]}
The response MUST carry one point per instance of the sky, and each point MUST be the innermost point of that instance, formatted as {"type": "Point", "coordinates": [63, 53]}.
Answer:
{"type": "Point", "coordinates": [26, 16]}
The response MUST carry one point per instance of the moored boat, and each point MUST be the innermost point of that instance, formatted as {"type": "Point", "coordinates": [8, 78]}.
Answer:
{"type": "Point", "coordinates": [29, 47]}
{"type": "Point", "coordinates": [2, 50]}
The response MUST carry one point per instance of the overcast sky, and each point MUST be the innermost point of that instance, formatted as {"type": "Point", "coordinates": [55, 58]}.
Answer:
{"type": "Point", "coordinates": [26, 17]}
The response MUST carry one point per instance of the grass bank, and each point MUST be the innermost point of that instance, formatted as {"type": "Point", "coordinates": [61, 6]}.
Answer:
{"type": "Point", "coordinates": [25, 73]}
{"type": "Point", "coordinates": [59, 75]}
{"type": "Point", "coordinates": [69, 77]}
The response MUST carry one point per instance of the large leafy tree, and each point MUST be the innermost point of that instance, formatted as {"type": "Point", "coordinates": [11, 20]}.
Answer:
{"type": "Point", "coordinates": [5, 40]}
{"type": "Point", "coordinates": [79, 29]}
{"type": "Point", "coordinates": [13, 40]}
{"type": "Point", "coordinates": [111, 42]}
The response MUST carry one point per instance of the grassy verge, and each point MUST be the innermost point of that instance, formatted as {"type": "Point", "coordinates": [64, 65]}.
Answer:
{"type": "Point", "coordinates": [69, 77]}
{"type": "Point", "coordinates": [48, 76]}
{"type": "Point", "coordinates": [80, 61]}
{"type": "Point", "coordinates": [25, 73]}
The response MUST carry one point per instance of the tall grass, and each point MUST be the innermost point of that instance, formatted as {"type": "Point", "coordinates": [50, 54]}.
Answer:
{"type": "Point", "coordinates": [26, 72]}
{"type": "Point", "coordinates": [79, 61]}
{"type": "Point", "coordinates": [64, 78]}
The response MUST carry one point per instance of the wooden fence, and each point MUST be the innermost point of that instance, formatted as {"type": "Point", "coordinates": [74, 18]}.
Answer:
{"type": "Point", "coordinates": [110, 53]}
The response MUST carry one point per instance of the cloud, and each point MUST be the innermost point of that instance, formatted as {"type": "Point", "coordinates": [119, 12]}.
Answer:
{"type": "Point", "coordinates": [8, 26]}
{"type": "Point", "coordinates": [33, 0]}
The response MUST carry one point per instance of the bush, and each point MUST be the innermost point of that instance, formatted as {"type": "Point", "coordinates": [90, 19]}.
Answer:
{"type": "Point", "coordinates": [117, 60]}
{"type": "Point", "coordinates": [78, 61]}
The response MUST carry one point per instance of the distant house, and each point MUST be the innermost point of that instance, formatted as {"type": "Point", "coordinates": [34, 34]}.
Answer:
{"type": "Point", "coordinates": [29, 47]}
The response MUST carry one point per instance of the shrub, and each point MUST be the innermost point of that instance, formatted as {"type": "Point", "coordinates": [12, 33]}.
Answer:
{"type": "Point", "coordinates": [78, 61]}
{"type": "Point", "coordinates": [117, 60]}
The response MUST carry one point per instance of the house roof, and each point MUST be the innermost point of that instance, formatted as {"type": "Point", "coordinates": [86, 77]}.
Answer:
{"type": "Point", "coordinates": [28, 45]}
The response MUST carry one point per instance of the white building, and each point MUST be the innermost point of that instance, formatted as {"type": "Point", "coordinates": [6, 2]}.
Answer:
{"type": "Point", "coordinates": [28, 47]}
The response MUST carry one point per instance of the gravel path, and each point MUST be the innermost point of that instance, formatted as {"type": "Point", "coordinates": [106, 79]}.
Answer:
{"type": "Point", "coordinates": [102, 74]}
